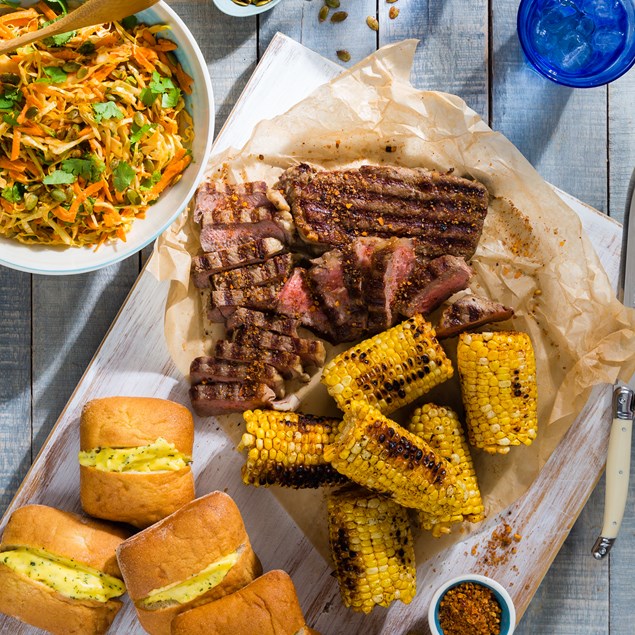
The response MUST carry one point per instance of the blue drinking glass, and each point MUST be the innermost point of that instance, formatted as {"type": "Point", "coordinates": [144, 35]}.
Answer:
{"type": "Point", "coordinates": [579, 43]}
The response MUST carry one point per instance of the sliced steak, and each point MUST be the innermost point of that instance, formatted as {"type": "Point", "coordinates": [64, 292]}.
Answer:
{"type": "Point", "coordinates": [230, 203]}
{"type": "Point", "coordinates": [432, 283]}
{"type": "Point", "coordinates": [296, 299]}
{"type": "Point", "coordinates": [287, 364]}
{"type": "Point", "coordinates": [231, 257]}
{"type": "Point", "coordinates": [224, 301]}
{"type": "Point", "coordinates": [248, 318]}
{"type": "Point", "coordinates": [207, 370]}
{"type": "Point", "coordinates": [224, 398]}
{"type": "Point", "coordinates": [273, 270]}
{"type": "Point", "coordinates": [311, 352]}
{"type": "Point", "coordinates": [444, 213]}
{"type": "Point", "coordinates": [215, 237]}
{"type": "Point", "coordinates": [344, 307]}
{"type": "Point", "coordinates": [469, 312]}
{"type": "Point", "coordinates": [391, 264]}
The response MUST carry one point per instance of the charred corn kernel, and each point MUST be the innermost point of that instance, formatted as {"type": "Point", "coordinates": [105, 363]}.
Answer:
{"type": "Point", "coordinates": [287, 448]}
{"type": "Point", "coordinates": [441, 429]}
{"type": "Point", "coordinates": [498, 383]}
{"type": "Point", "coordinates": [379, 454]}
{"type": "Point", "coordinates": [391, 369]}
{"type": "Point", "coordinates": [372, 547]}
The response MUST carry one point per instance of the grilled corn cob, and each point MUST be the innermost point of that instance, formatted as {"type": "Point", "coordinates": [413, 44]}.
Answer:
{"type": "Point", "coordinates": [286, 448]}
{"type": "Point", "coordinates": [441, 429]}
{"type": "Point", "coordinates": [391, 369]}
{"type": "Point", "coordinates": [498, 382]}
{"type": "Point", "coordinates": [378, 453]}
{"type": "Point", "coordinates": [372, 548]}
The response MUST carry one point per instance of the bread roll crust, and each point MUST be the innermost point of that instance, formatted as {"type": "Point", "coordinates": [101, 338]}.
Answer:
{"type": "Point", "coordinates": [182, 545]}
{"type": "Point", "coordinates": [127, 422]}
{"type": "Point", "coordinates": [267, 606]}
{"type": "Point", "coordinates": [89, 542]}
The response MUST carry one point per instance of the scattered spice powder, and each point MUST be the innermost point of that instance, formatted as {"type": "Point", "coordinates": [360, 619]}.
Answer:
{"type": "Point", "coordinates": [470, 609]}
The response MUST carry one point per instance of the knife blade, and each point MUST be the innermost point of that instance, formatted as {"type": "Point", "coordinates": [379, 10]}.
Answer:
{"type": "Point", "coordinates": [618, 460]}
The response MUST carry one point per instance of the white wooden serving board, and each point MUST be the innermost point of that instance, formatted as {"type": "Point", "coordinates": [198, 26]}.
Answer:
{"type": "Point", "coordinates": [133, 360]}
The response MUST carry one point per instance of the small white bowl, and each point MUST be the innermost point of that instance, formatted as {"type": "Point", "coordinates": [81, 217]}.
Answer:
{"type": "Point", "coordinates": [237, 11]}
{"type": "Point", "coordinates": [52, 260]}
{"type": "Point", "coordinates": [508, 610]}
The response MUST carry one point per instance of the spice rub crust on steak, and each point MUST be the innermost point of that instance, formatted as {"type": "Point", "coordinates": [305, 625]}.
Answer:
{"type": "Point", "coordinates": [471, 311]}
{"type": "Point", "coordinates": [444, 213]}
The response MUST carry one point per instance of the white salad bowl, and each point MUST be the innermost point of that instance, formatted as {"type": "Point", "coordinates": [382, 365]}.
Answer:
{"type": "Point", "coordinates": [53, 260]}
{"type": "Point", "coordinates": [231, 8]}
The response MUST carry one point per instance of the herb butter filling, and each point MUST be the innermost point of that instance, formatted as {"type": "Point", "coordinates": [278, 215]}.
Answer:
{"type": "Point", "coordinates": [67, 577]}
{"type": "Point", "coordinates": [159, 456]}
{"type": "Point", "coordinates": [194, 586]}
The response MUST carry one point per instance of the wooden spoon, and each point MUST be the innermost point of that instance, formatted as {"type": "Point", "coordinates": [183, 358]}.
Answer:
{"type": "Point", "coordinates": [88, 14]}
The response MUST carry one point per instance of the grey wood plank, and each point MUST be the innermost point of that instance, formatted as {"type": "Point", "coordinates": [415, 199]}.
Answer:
{"type": "Point", "coordinates": [562, 131]}
{"type": "Point", "coordinates": [621, 143]}
{"type": "Point", "coordinates": [71, 315]}
{"type": "Point", "coordinates": [299, 19]}
{"type": "Point", "coordinates": [453, 53]}
{"type": "Point", "coordinates": [15, 380]}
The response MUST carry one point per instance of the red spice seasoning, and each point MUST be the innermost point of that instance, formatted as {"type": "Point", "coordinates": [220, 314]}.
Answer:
{"type": "Point", "coordinates": [470, 609]}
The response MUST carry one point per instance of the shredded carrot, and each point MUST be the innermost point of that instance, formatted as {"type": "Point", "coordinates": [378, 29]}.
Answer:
{"type": "Point", "coordinates": [18, 17]}
{"type": "Point", "coordinates": [46, 10]}
{"type": "Point", "coordinates": [176, 166]}
{"type": "Point", "coordinates": [7, 164]}
{"type": "Point", "coordinates": [15, 146]}
{"type": "Point", "coordinates": [184, 80]}
{"type": "Point", "coordinates": [63, 214]}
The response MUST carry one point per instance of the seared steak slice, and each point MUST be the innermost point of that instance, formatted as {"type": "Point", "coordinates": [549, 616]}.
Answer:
{"type": "Point", "coordinates": [248, 318]}
{"type": "Point", "coordinates": [391, 264]}
{"type": "Point", "coordinates": [311, 352]}
{"type": "Point", "coordinates": [231, 257]}
{"type": "Point", "coordinates": [329, 275]}
{"type": "Point", "coordinates": [258, 275]}
{"type": "Point", "coordinates": [230, 203]}
{"type": "Point", "coordinates": [469, 312]}
{"type": "Point", "coordinates": [432, 283]}
{"type": "Point", "coordinates": [296, 300]}
{"type": "Point", "coordinates": [287, 364]}
{"type": "Point", "coordinates": [444, 213]}
{"type": "Point", "coordinates": [224, 398]}
{"type": "Point", "coordinates": [224, 301]}
{"type": "Point", "coordinates": [218, 237]}
{"type": "Point", "coordinates": [207, 370]}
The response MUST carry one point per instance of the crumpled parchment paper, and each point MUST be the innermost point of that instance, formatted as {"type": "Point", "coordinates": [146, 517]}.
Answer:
{"type": "Point", "coordinates": [533, 256]}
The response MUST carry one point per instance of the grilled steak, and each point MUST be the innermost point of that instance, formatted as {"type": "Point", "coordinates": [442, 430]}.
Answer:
{"type": "Point", "coordinates": [224, 398]}
{"type": "Point", "coordinates": [432, 283]}
{"type": "Point", "coordinates": [207, 370]}
{"type": "Point", "coordinates": [311, 352]}
{"type": "Point", "coordinates": [248, 318]}
{"type": "Point", "coordinates": [258, 275]}
{"type": "Point", "coordinates": [216, 237]}
{"type": "Point", "coordinates": [469, 312]}
{"type": "Point", "coordinates": [391, 264]}
{"type": "Point", "coordinates": [444, 213]}
{"type": "Point", "coordinates": [231, 257]}
{"type": "Point", "coordinates": [224, 301]}
{"type": "Point", "coordinates": [287, 364]}
{"type": "Point", "coordinates": [296, 300]}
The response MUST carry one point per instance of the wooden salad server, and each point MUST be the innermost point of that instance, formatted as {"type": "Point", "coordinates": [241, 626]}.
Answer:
{"type": "Point", "coordinates": [88, 14]}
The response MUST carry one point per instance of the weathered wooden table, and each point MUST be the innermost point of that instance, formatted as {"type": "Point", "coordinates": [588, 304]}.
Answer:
{"type": "Point", "coordinates": [583, 141]}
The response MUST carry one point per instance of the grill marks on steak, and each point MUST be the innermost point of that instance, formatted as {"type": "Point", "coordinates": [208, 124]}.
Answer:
{"type": "Point", "coordinates": [224, 301]}
{"type": "Point", "coordinates": [224, 398]}
{"type": "Point", "coordinates": [471, 311]}
{"type": "Point", "coordinates": [273, 270]}
{"type": "Point", "coordinates": [248, 318]}
{"type": "Point", "coordinates": [444, 213]}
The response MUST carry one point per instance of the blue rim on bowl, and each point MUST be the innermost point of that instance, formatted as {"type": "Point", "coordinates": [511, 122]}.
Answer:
{"type": "Point", "coordinates": [42, 259]}
{"type": "Point", "coordinates": [508, 610]}
{"type": "Point", "coordinates": [237, 11]}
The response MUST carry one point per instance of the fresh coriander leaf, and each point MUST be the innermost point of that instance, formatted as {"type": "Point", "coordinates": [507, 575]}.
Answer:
{"type": "Point", "coordinates": [138, 132]}
{"type": "Point", "coordinates": [122, 176]}
{"type": "Point", "coordinates": [161, 84]}
{"type": "Point", "coordinates": [107, 110]}
{"type": "Point", "coordinates": [90, 169]}
{"type": "Point", "coordinates": [59, 177]}
{"type": "Point", "coordinates": [148, 184]}
{"type": "Point", "coordinates": [171, 98]}
{"type": "Point", "coordinates": [60, 39]}
{"type": "Point", "coordinates": [14, 193]}
{"type": "Point", "coordinates": [54, 74]}
{"type": "Point", "coordinates": [147, 97]}
{"type": "Point", "coordinates": [130, 22]}
{"type": "Point", "coordinates": [9, 98]}
{"type": "Point", "coordinates": [61, 5]}
{"type": "Point", "coordinates": [10, 118]}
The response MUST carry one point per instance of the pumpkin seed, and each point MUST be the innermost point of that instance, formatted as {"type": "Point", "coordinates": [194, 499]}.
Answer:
{"type": "Point", "coordinates": [30, 201]}
{"type": "Point", "coordinates": [139, 119]}
{"type": "Point", "coordinates": [393, 13]}
{"type": "Point", "coordinates": [133, 196]}
{"type": "Point", "coordinates": [262, 2]}
{"type": "Point", "coordinates": [73, 114]}
{"type": "Point", "coordinates": [88, 206]}
{"type": "Point", "coordinates": [58, 195]}
{"type": "Point", "coordinates": [333, 4]}
{"type": "Point", "coordinates": [71, 67]}
{"type": "Point", "coordinates": [322, 15]}
{"type": "Point", "coordinates": [148, 166]}
{"type": "Point", "coordinates": [31, 112]}
{"type": "Point", "coordinates": [9, 78]}
{"type": "Point", "coordinates": [344, 55]}
{"type": "Point", "coordinates": [82, 72]}
{"type": "Point", "coordinates": [391, 1]}
{"type": "Point", "coordinates": [372, 23]}
{"type": "Point", "coordinates": [339, 16]}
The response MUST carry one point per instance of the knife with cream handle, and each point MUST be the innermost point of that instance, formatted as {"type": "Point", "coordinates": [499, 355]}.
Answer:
{"type": "Point", "coordinates": [618, 459]}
